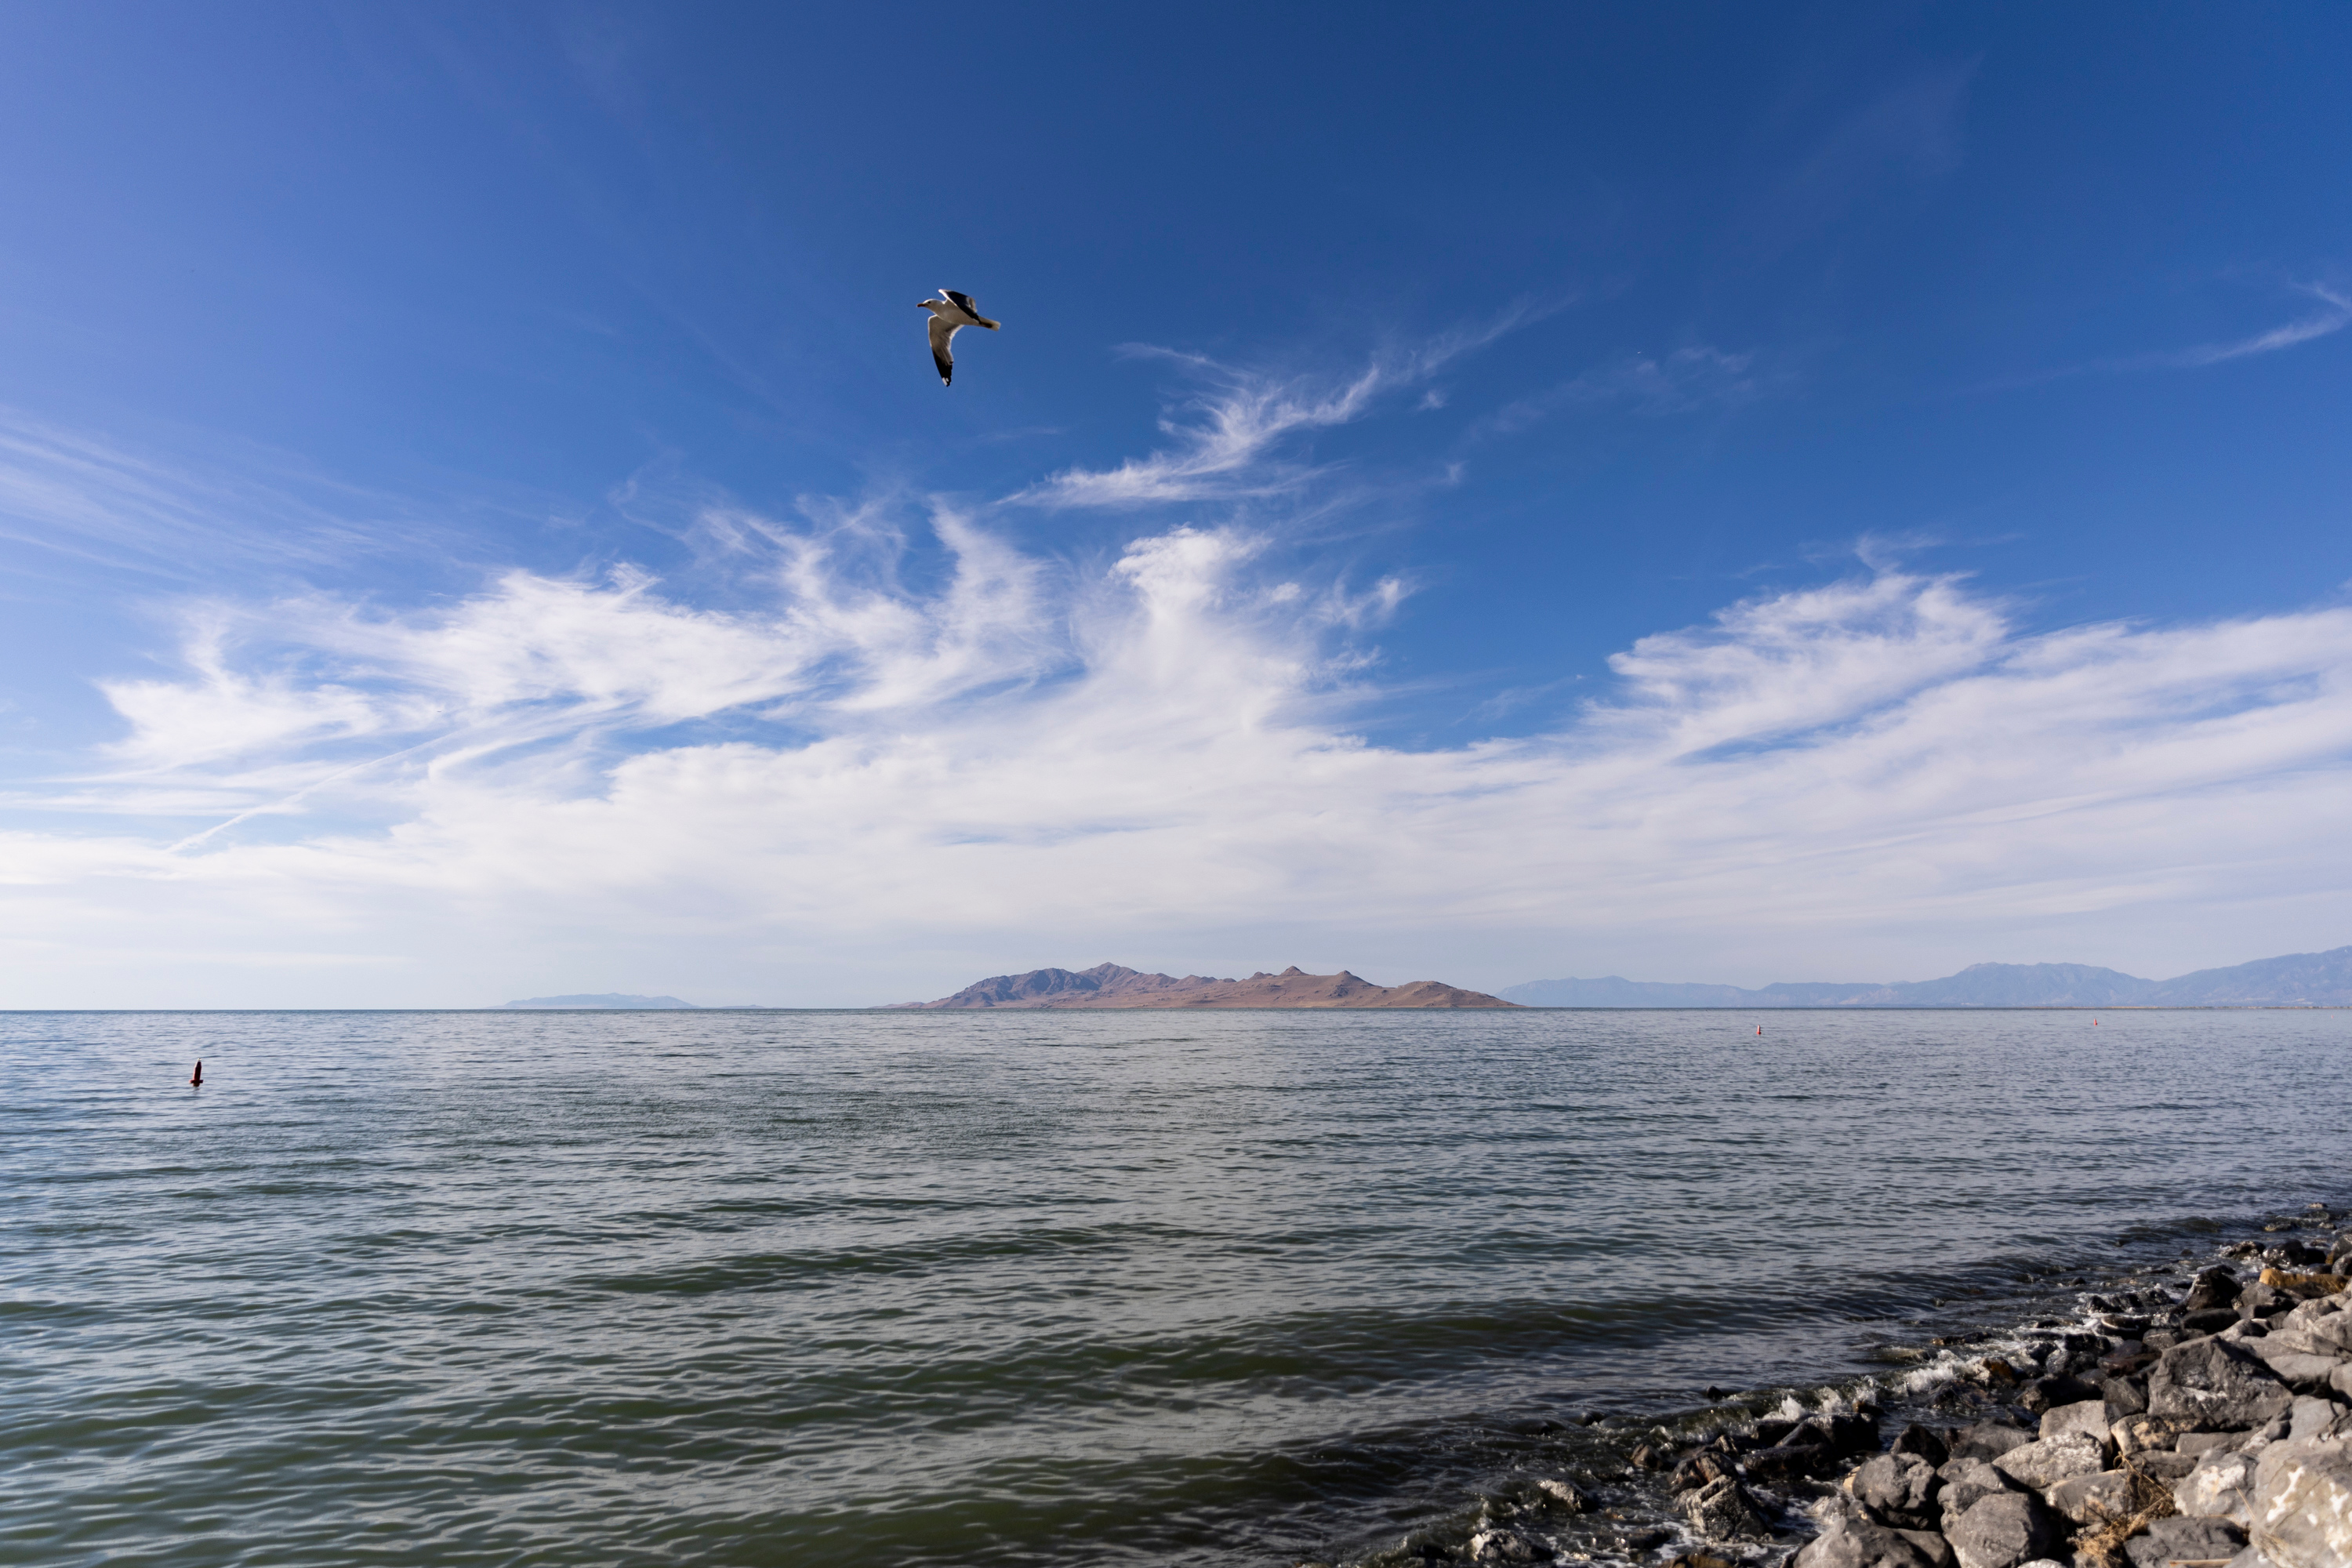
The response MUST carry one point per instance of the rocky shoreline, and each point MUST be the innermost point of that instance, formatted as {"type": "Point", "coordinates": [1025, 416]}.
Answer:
{"type": "Point", "coordinates": [2188, 1415]}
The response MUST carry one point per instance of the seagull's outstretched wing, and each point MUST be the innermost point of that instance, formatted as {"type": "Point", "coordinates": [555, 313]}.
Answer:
{"type": "Point", "coordinates": [964, 303]}
{"type": "Point", "coordinates": [940, 332]}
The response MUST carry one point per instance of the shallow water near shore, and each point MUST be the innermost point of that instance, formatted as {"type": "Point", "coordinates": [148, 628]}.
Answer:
{"type": "Point", "coordinates": [1064, 1289]}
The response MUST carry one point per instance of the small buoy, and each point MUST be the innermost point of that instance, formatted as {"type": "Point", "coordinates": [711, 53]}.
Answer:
{"type": "Point", "coordinates": [1760, 1028]}
{"type": "Point", "coordinates": [196, 1079]}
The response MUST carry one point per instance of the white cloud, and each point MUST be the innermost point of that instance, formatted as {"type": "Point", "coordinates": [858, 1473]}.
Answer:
{"type": "Point", "coordinates": [860, 792]}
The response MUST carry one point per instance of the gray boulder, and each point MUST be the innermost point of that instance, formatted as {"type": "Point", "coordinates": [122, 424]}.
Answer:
{"type": "Point", "coordinates": [1858, 1543]}
{"type": "Point", "coordinates": [2089, 1418]}
{"type": "Point", "coordinates": [2301, 1506]}
{"type": "Point", "coordinates": [2221, 1486]}
{"type": "Point", "coordinates": [2094, 1498]}
{"type": "Point", "coordinates": [2165, 1465]}
{"type": "Point", "coordinates": [2298, 1358]}
{"type": "Point", "coordinates": [1722, 1510]}
{"type": "Point", "coordinates": [2217, 1287]}
{"type": "Point", "coordinates": [2311, 1419]}
{"type": "Point", "coordinates": [1986, 1440]}
{"type": "Point", "coordinates": [1967, 1482]}
{"type": "Point", "coordinates": [2043, 1464]}
{"type": "Point", "coordinates": [1900, 1491]}
{"type": "Point", "coordinates": [2183, 1539]}
{"type": "Point", "coordinates": [2003, 1530]}
{"type": "Point", "coordinates": [2215, 1384]}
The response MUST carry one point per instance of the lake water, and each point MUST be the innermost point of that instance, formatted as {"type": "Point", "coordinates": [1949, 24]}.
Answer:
{"type": "Point", "coordinates": [1068, 1289]}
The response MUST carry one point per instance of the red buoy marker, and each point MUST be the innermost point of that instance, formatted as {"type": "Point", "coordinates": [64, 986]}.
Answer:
{"type": "Point", "coordinates": [196, 1079]}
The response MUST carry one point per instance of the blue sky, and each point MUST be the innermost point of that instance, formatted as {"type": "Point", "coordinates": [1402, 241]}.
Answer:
{"type": "Point", "coordinates": [1697, 492]}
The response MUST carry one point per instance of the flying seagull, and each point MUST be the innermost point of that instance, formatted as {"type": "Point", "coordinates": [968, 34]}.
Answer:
{"type": "Point", "coordinates": [951, 313]}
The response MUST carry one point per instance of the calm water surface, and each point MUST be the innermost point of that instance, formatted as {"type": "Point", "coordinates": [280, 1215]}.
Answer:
{"type": "Point", "coordinates": [815, 1289]}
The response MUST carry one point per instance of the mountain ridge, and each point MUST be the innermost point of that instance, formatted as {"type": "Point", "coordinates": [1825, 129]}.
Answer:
{"type": "Point", "coordinates": [1113, 985]}
{"type": "Point", "coordinates": [2290, 980]}
{"type": "Point", "coordinates": [602, 1000]}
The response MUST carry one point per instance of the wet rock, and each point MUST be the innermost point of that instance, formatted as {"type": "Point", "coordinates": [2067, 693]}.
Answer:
{"type": "Point", "coordinates": [2211, 1321]}
{"type": "Point", "coordinates": [2215, 1384]}
{"type": "Point", "coordinates": [2221, 1486]}
{"type": "Point", "coordinates": [1561, 1496]}
{"type": "Point", "coordinates": [2003, 1530]}
{"type": "Point", "coordinates": [2123, 1395]}
{"type": "Point", "coordinates": [1508, 1546]}
{"type": "Point", "coordinates": [2184, 1539]}
{"type": "Point", "coordinates": [2043, 1464]}
{"type": "Point", "coordinates": [1900, 1490]}
{"type": "Point", "coordinates": [2044, 1394]}
{"type": "Point", "coordinates": [1699, 1470]}
{"type": "Point", "coordinates": [2302, 1504]}
{"type": "Point", "coordinates": [1723, 1511]}
{"type": "Point", "coordinates": [1921, 1441]}
{"type": "Point", "coordinates": [1850, 1434]}
{"type": "Point", "coordinates": [2216, 1287]}
{"type": "Point", "coordinates": [1846, 1542]}
{"type": "Point", "coordinates": [1787, 1462]}
{"type": "Point", "coordinates": [2303, 1284]}
{"type": "Point", "coordinates": [1987, 1441]}
{"type": "Point", "coordinates": [1649, 1457]}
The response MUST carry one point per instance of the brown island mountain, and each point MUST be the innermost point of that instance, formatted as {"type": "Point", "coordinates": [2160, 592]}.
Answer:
{"type": "Point", "coordinates": [1114, 985]}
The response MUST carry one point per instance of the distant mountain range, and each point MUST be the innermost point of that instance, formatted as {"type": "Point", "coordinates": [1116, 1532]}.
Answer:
{"type": "Point", "coordinates": [1115, 985]}
{"type": "Point", "coordinates": [613, 999]}
{"type": "Point", "coordinates": [2296, 980]}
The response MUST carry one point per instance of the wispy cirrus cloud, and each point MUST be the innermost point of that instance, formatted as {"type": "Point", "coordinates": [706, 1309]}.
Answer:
{"type": "Point", "coordinates": [2333, 314]}
{"type": "Point", "coordinates": [1223, 440]}
{"type": "Point", "coordinates": [854, 790]}
{"type": "Point", "coordinates": [1685, 380]}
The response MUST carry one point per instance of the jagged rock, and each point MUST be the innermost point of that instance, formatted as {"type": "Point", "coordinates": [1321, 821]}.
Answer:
{"type": "Point", "coordinates": [1933, 1546]}
{"type": "Point", "coordinates": [2203, 1443]}
{"type": "Point", "coordinates": [2309, 1420]}
{"type": "Point", "coordinates": [1846, 1542]}
{"type": "Point", "coordinates": [1987, 1441]}
{"type": "Point", "coordinates": [1918, 1439]}
{"type": "Point", "coordinates": [1785, 1462]}
{"type": "Point", "coordinates": [2215, 1384]}
{"type": "Point", "coordinates": [1561, 1496]}
{"type": "Point", "coordinates": [1722, 1510]}
{"type": "Point", "coordinates": [2163, 1464]}
{"type": "Point", "coordinates": [2216, 1287]}
{"type": "Point", "coordinates": [2184, 1539]}
{"type": "Point", "coordinates": [2123, 1395]}
{"type": "Point", "coordinates": [2094, 1498]}
{"type": "Point", "coordinates": [1900, 1491]}
{"type": "Point", "coordinates": [2301, 1284]}
{"type": "Point", "coordinates": [1507, 1546]}
{"type": "Point", "coordinates": [2088, 1417]}
{"type": "Point", "coordinates": [1968, 1482]}
{"type": "Point", "coordinates": [2043, 1464]}
{"type": "Point", "coordinates": [1700, 1469]}
{"type": "Point", "coordinates": [2302, 1504]}
{"type": "Point", "coordinates": [2139, 1434]}
{"type": "Point", "coordinates": [2003, 1530]}
{"type": "Point", "coordinates": [2221, 1486]}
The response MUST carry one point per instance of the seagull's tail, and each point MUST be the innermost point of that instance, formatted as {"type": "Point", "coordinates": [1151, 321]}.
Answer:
{"type": "Point", "coordinates": [991, 326]}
